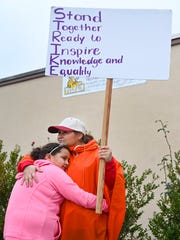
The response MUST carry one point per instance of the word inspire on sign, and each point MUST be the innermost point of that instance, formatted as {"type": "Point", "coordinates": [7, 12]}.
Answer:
{"type": "Point", "coordinates": [75, 41]}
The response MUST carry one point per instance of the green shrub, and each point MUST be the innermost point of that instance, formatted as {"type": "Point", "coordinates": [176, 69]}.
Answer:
{"type": "Point", "coordinates": [165, 224]}
{"type": "Point", "coordinates": [7, 179]}
{"type": "Point", "coordinates": [140, 192]}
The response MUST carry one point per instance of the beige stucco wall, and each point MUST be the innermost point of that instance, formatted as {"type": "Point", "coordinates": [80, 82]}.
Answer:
{"type": "Point", "coordinates": [28, 108]}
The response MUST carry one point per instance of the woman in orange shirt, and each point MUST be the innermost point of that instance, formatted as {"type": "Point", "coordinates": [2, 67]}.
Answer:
{"type": "Point", "coordinates": [79, 223]}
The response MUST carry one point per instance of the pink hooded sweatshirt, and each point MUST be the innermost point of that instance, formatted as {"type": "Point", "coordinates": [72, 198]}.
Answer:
{"type": "Point", "coordinates": [33, 213]}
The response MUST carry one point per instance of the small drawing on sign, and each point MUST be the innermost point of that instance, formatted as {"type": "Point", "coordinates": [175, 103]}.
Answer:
{"type": "Point", "coordinates": [74, 86]}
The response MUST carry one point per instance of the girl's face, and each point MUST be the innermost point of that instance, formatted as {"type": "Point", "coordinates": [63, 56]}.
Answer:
{"type": "Point", "coordinates": [61, 159]}
{"type": "Point", "coordinates": [70, 138]}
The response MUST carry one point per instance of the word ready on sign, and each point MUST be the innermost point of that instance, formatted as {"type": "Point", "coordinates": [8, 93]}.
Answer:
{"type": "Point", "coordinates": [109, 43]}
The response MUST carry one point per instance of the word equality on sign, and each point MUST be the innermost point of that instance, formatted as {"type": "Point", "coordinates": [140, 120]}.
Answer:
{"type": "Point", "coordinates": [109, 43]}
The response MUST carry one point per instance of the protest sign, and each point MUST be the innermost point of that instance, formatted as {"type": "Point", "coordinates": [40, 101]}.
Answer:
{"type": "Point", "coordinates": [109, 43]}
{"type": "Point", "coordinates": [73, 86]}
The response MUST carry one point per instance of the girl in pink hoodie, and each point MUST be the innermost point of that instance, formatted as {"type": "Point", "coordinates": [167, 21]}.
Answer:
{"type": "Point", "coordinates": [33, 213]}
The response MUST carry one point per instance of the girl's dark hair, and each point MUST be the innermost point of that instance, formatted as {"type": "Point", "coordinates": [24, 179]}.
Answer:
{"type": "Point", "coordinates": [52, 148]}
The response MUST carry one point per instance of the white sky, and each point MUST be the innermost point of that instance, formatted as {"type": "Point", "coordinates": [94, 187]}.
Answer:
{"type": "Point", "coordinates": [24, 28]}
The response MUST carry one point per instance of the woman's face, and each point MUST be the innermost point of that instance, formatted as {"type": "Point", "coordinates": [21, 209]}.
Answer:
{"type": "Point", "coordinates": [70, 138]}
{"type": "Point", "coordinates": [61, 159]}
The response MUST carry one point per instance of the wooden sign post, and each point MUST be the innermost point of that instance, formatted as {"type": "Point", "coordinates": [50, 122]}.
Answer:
{"type": "Point", "coordinates": [104, 138]}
